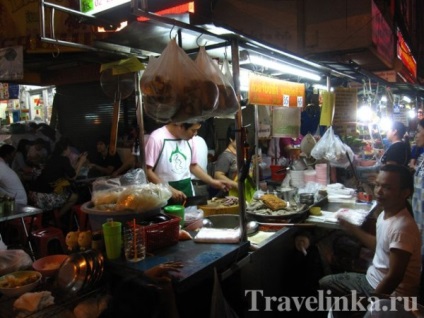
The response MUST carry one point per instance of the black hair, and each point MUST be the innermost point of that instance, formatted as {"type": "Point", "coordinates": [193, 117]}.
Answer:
{"type": "Point", "coordinates": [188, 125]}
{"type": "Point", "coordinates": [103, 139]}
{"type": "Point", "coordinates": [6, 150]}
{"type": "Point", "coordinates": [61, 146]}
{"type": "Point", "coordinates": [400, 128]}
{"type": "Point", "coordinates": [405, 175]}
{"type": "Point", "coordinates": [22, 144]}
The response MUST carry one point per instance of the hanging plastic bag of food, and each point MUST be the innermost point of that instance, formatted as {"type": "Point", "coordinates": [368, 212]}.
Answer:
{"type": "Point", "coordinates": [227, 101]}
{"type": "Point", "coordinates": [227, 72]}
{"type": "Point", "coordinates": [175, 89]}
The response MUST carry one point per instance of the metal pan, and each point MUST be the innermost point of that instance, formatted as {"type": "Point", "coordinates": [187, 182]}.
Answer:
{"type": "Point", "coordinates": [296, 216]}
{"type": "Point", "coordinates": [72, 274]}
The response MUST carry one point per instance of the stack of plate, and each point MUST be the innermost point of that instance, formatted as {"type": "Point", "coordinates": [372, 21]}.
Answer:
{"type": "Point", "coordinates": [321, 176]}
{"type": "Point", "coordinates": [309, 176]}
{"type": "Point", "coordinates": [80, 271]}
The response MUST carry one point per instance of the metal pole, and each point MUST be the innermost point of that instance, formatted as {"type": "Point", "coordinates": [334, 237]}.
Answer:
{"type": "Point", "coordinates": [140, 121]}
{"type": "Point", "coordinates": [239, 138]}
{"type": "Point", "coordinates": [257, 146]}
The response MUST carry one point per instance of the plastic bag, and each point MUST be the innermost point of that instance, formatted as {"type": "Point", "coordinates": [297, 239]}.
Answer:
{"type": "Point", "coordinates": [142, 198]}
{"type": "Point", "coordinates": [14, 260]}
{"type": "Point", "coordinates": [331, 148]}
{"type": "Point", "coordinates": [227, 101]}
{"type": "Point", "coordinates": [175, 89]}
{"type": "Point", "coordinates": [227, 72]}
{"type": "Point", "coordinates": [133, 177]}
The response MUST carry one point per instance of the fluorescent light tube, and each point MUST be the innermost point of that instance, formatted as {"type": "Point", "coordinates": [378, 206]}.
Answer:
{"type": "Point", "coordinates": [284, 68]}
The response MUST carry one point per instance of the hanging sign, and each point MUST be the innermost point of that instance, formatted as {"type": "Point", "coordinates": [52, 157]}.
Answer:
{"type": "Point", "coordinates": [286, 122]}
{"type": "Point", "coordinates": [327, 109]}
{"type": "Point", "coordinates": [96, 6]}
{"type": "Point", "coordinates": [274, 92]}
{"type": "Point", "coordinates": [405, 55]}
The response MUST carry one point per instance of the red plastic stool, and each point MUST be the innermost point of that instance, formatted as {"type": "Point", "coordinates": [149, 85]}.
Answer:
{"type": "Point", "coordinates": [44, 237]}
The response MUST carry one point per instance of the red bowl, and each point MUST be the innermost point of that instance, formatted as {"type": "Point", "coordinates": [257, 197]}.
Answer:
{"type": "Point", "coordinates": [49, 265]}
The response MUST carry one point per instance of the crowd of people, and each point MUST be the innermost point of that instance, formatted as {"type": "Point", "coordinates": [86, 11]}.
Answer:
{"type": "Point", "coordinates": [42, 169]}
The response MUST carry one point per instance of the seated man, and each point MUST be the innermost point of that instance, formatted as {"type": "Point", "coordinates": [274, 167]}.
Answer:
{"type": "Point", "coordinates": [102, 163]}
{"type": "Point", "coordinates": [396, 265]}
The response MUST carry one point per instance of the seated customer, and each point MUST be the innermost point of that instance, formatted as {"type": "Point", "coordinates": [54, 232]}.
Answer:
{"type": "Point", "coordinates": [396, 266]}
{"type": "Point", "coordinates": [145, 295]}
{"type": "Point", "coordinates": [102, 163]}
{"type": "Point", "coordinates": [10, 184]}
{"type": "Point", "coordinates": [20, 165]}
{"type": "Point", "coordinates": [52, 189]}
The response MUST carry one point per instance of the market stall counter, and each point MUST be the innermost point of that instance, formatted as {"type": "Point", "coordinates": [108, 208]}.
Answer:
{"type": "Point", "coordinates": [199, 261]}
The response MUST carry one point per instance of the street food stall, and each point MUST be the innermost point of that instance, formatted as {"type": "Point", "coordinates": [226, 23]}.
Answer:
{"type": "Point", "coordinates": [258, 262]}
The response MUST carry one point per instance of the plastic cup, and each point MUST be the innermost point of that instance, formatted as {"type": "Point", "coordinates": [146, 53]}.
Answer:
{"type": "Point", "coordinates": [112, 234]}
{"type": "Point", "coordinates": [177, 210]}
{"type": "Point", "coordinates": [134, 247]}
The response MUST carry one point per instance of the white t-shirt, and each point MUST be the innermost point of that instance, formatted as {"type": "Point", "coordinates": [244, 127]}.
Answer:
{"type": "Point", "coordinates": [202, 154]}
{"type": "Point", "coordinates": [11, 185]}
{"type": "Point", "coordinates": [159, 150]}
{"type": "Point", "coordinates": [399, 231]}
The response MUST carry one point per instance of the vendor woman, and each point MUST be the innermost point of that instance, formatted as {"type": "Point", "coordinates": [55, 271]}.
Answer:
{"type": "Point", "coordinates": [171, 157]}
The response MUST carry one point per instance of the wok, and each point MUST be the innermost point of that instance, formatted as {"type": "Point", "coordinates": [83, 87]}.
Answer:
{"type": "Point", "coordinates": [295, 216]}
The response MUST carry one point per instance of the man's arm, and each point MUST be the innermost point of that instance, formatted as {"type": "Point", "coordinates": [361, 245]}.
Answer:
{"type": "Point", "coordinates": [219, 175]}
{"type": "Point", "coordinates": [202, 175]}
{"type": "Point", "coordinates": [177, 195]}
{"type": "Point", "coordinates": [398, 262]}
{"type": "Point", "coordinates": [365, 238]}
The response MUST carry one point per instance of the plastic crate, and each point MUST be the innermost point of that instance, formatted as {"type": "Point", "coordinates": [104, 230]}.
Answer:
{"type": "Point", "coordinates": [162, 234]}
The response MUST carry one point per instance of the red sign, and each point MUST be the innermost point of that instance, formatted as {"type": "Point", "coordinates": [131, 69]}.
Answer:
{"type": "Point", "coordinates": [382, 35]}
{"type": "Point", "coordinates": [404, 54]}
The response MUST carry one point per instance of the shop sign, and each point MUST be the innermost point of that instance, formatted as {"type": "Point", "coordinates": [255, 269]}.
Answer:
{"type": "Point", "coordinates": [345, 105]}
{"type": "Point", "coordinates": [405, 55]}
{"type": "Point", "coordinates": [96, 6]}
{"type": "Point", "coordinates": [389, 76]}
{"type": "Point", "coordinates": [382, 35]}
{"type": "Point", "coordinates": [274, 92]}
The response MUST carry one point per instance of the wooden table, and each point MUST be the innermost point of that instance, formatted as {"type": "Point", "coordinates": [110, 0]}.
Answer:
{"type": "Point", "coordinates": [22, 211]}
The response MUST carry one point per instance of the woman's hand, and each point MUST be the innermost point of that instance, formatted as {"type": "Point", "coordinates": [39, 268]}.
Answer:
{"type": "Point", "coordinates": [221, 185]}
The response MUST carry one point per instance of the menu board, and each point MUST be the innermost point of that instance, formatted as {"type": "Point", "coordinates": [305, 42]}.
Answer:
{"type": "Point", "coordinates": [286, 122]}
{"type": "Point", "coordinates": [345, 108]}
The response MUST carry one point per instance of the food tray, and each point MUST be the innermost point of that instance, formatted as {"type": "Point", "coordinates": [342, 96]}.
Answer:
{"type": "Point", "coordinates": [162, 234]}
{"type": "Point", "coordinates": [213, 210]}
